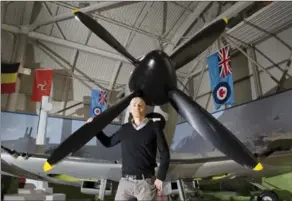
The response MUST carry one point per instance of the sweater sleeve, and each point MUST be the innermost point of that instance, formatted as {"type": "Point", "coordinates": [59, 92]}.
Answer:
{"type": "Point", "coordinates": [164, 153]}
{"type": "Point", "coordinates": [110, 141]}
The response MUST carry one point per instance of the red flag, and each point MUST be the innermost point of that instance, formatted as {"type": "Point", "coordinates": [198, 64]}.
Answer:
{"type": "Point", "coordinates": [42, 84]}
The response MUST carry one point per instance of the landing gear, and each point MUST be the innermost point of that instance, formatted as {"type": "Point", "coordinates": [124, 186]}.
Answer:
{"type": "Point", "coordinates": [264, 195]}
{"type": "Point", "coordinates": [181, 190]}
{"type": "Point", "coordinates": [268, 196]}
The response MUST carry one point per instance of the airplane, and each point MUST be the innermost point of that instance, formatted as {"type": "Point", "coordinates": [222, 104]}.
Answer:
{"type": "Point", "coordinates": [186, 163]}
{"type": "Point", "coordinates": [154, 79]}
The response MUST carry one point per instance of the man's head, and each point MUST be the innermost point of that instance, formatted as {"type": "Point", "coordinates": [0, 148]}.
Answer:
{"type": "Point", "coordinates": [138, 107]}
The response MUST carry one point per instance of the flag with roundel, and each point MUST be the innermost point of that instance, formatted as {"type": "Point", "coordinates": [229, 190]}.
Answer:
{"type": "Point", "coordinates": [98, 102]}
{"type": "Point", "coordinates": [221, 80]}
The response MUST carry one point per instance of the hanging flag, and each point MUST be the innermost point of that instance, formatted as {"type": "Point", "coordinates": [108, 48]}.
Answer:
{"type": "Point", "coordinates": [98, 102]}
{"type": "Point", "coordinates": [42, 84]}
{"type": "Point", "coordinates": [221, 80]}
{"type": "Point", "coordinates": [9, 73]}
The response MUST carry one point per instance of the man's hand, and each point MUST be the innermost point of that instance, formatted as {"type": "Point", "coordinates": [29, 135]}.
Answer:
{"type": "Point", "coordinates": [158, 184]}
{"type": "Point", "coordinates": [89, 120]}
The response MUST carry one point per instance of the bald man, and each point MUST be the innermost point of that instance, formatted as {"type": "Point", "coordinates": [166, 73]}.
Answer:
{"type": "Point", "coordinates": [140, 139]}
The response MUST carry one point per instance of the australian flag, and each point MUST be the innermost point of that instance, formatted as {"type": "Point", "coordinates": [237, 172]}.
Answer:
{"type": "Point", "coordinates": [98, 102]}
{"type": "Point", "coordinates": [220, 73]}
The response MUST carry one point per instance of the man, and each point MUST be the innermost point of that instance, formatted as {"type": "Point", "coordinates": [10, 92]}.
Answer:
{"type": "Point", "coordinates": [139, 140]}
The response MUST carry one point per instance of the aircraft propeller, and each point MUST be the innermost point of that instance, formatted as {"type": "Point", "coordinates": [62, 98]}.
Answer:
{"type": "Point", "coordinates": [102, 33]}
{"type": "Point", "coordinates": [203, 122]}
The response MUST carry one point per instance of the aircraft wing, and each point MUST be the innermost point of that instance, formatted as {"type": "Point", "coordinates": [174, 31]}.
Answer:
{"type": "Point", "coordinates": [73, 170]}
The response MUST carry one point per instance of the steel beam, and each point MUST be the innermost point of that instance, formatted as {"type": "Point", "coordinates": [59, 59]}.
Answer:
{"type": "Point", "coordinates": [77, 46]}
{"type": "Point", "coordinates": [269, 33]}
{"type": "Point", "coordinates": [258, 51]}
{"type": "Point", "coordinates": [11, 29]}
{"type": "Point", "coordinates": [126, 44]}
{"type": "Point", "coordinates": [192, 17]}
{"type": "Point", "coordinates": [192, 74]}
{"type": "Point", "coordinates": [231, 12]}
{"type": "Point", "coordinates": [190, 84]}
{"type": "Point", "coordinates": [255, 72]}
{"type": "Point", "coordinates": [66, 43]}
{"type": "Point", "coordinates": [20, 55]}
{"type": "Point", "coordinates": [97, 16]}
{"type": "Point", "coordinates": [251, 59]}
{"type": "Point", "coordinates": [44, 4]}
{"type": "Point", "coordinates": [6, 3]}
{"type": "Point", "coordinates": [164, 18]}
{"type": "Point", "coordinates": [67, 83]}
{"type": "Point", "coordinates": [181, 6]}
{"type": "Point", "coordinates": [58, 58]}
{"type": "Point", "coordinates": [283, 77]}
{"type": "Point", "coordinates": [96, 7]}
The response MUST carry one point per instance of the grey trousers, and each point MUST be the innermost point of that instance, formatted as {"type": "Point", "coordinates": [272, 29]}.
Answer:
{"type": "Point", "coordinates": [129, 189]}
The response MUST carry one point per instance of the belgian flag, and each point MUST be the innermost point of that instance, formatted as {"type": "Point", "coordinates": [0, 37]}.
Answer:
{"type": "Point", "coordinates": [9, 73]}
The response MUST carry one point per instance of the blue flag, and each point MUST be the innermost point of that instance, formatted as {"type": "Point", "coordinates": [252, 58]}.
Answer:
{"type": "Point", "coordinates": [221, 77]}
{"type": "Point", "coordinates": [98, 102]}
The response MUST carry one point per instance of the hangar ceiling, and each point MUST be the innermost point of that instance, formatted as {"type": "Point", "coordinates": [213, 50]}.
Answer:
{"type": "Point", "coordinates": [57, 40]}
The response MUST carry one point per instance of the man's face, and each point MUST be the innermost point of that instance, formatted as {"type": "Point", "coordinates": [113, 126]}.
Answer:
{"type": "Point", "coordinates": [138, 107]}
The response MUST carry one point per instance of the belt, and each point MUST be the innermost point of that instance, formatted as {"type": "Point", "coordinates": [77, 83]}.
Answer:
{"type": "Point", "coordinates": [137, 176]}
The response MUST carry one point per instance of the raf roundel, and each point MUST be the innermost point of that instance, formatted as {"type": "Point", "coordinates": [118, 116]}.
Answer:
{"type": "Point", "coordinates": [96, 111]}
{"type": "Point", "coordinates": [221, 92]}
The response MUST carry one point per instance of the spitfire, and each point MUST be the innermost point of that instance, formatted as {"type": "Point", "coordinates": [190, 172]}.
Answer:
{"type": "Point", "coordinates": [154, 79]}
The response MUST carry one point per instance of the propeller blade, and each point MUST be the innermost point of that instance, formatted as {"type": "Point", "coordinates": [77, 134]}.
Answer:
{"type": "Point", "coordinates": [212, 130]}
{"type": "Point", "coordinates": [85, 133]}
{"type": "Point", "coordinates": [11, 151]}
{"type": "Point", "coordinates": [198, 44]}
{"type": "Point", "coordinates": [102, 33]}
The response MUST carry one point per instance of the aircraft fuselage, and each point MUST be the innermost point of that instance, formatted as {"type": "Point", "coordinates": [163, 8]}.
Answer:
{"type": "Point", "coordinates": [154, 77]}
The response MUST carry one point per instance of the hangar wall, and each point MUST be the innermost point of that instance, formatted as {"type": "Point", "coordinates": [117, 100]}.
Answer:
{"type": "Point", "coordinates": [279, 54]}
{"type": "Point", "coordinates": [244, 84]}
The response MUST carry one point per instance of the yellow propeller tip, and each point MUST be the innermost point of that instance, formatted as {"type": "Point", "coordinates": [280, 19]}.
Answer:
{"type": "Point", "coordinates": [258, 167]}
{"type": "Point", "coordinates": [225, 20]}
{"type": "Point", "coordinates": [75, 11]}
{"type": "Point", "coordinates": [47, 167]}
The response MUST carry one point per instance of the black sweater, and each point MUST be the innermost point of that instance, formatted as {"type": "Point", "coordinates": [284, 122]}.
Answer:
{"type": "Point", "coordinates": [139, 149]}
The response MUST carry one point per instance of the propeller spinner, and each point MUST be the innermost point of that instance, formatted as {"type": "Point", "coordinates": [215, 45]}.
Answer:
{"type": "Point", "coordinates": [154, 79]}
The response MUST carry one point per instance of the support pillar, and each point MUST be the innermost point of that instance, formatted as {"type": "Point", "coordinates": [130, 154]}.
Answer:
{"type": "Point", "coordinates": [170, 115]}
{"type": "Point", "coordinates": [102, 189]}
{"type": "Point", "coordinates": [46, 106]}
{"type": "Point", "coordinates": [181, 190]}
{"type": "Point", "coordinates": [22, 40]}
{"type": "Point", "coordinates": [19, 57]}
{"type": "Point", "coordinates": [257, 89]}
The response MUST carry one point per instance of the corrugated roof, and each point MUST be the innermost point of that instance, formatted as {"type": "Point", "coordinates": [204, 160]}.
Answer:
{"type": "Point", "coordinates": [7, 46]}
{"type": "Point", "coordinates": [124, 74]}
{"type": "Point", "coordinates": [95, 66]}
{"type": "Point", "coordinates": [126, 14]}
{"type": "Point", "coordinates": [13, 13]}
{"type": "Point", "coordinates": [47, 62]}
{"type": "Point", "coordinates": [271, 18]}
{"type": "Point", "coordinates": [213, 11]}
{"type": "Point", "coordinates": [118, 32]}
